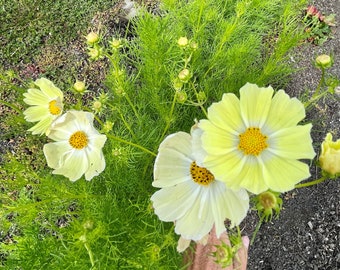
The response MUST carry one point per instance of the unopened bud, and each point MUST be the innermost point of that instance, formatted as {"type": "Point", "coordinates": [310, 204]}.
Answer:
{"type": "Point", "coordinates": [95, 53]}
{"type": "Point", "coordinates": [177, 84]}
{"type": "Point", "coordinates": [183, 42]}
{"type": "Point", "coordinates": [330, 156]}
{"type": "Point", "coordinates": [268, 202]}
{"type": "Point", "coordinates": [88, 225]}
{"type": "Point", "coordinates": [201, 97]}
{"type": "Point", "coordinates": [116, 44]}
{"type": "Point", "coordinates": [108, 125]}
{"type": "Point", "coordinates": [92, 38]}
{"type": "Point", "coordinates": [324, 61]}
{"type": "Point", "coordinates": [194, 46]}
{"type": "Point", "coordinates": [184, 75]}
{"type": "Point", "coordinates": [79, 86]}
{"type": "Point", "coordinates": [181, 96]}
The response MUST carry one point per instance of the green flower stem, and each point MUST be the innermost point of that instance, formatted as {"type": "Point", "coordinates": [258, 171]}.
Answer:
{"type": "Point", "coordinates": [316, 94]}
{"type": "Point", "coordinates": [170, 115]}
{"type": "Point", "coordinates": [17, 109]}
{"type": "Point", "coordinates": [131, 105]}
{"type": "Point", "coordinates": [312, 183]}
{"type": "Point", "coordinates": [256, 230]}
{"type": "Point", "coordinates": [123, 119]}
{"type": "Point", "coordinates": [314, 98]}
{"type": "Point", "coordinates": [98, 120]}
{"type": "Point", "coordinates": [90, 254]}
{"type": "Point", "coordinates": [114, 58]}
{"type": "Point", "coordinates": [199, 103]}
{"type": "Point", "coordinates": [131, 143]}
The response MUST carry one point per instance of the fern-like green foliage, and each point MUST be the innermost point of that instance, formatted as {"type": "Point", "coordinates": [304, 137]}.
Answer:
{"type": "Point", "coordinates": [108, 223]}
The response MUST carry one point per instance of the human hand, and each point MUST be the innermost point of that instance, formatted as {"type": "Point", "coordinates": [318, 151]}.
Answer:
{"type": "Point", "coordinates": [201, 258]}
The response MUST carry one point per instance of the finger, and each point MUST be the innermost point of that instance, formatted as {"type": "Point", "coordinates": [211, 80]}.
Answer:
{"type": "Point", "coordinates": [201, 258]}
{"type": "Point", "coordinates": [240, 262]}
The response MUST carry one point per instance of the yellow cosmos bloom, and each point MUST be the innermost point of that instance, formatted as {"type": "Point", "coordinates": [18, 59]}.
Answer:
{"type": "Point", "coordinates": [254, 142]}
{"type": "Point", "coordinates": [190, 195]}
{"type": "Point", "coordinates": [77, 149]}
{"type": "Point", "coordinates": [46, 105]}
{"type": "Point", "coordinates": [330, 155]}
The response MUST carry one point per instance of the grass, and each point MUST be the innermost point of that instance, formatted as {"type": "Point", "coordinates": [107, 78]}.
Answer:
{"type": "Point", "coordinates": [108, 223]}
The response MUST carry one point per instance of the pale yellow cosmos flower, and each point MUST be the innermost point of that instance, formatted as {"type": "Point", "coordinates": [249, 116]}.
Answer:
{"type": "Point", "coordinates": [255, 142]}
{"type": "Point", "coordinates": [77, 149]}
{"type": "Point", "coordinates": [190, 195]}
{"type": "Point", "coordinates": [330, 155]}
{"type": "Point", "coordinates": [46, 105]}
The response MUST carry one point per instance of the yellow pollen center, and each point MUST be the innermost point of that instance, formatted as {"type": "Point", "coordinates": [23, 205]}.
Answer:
{"type": "Point", "coordinates": [54, 107]}
{"type": "Point", "coordinates": [201, 175]}
{"type": "Point", "coordinates": [78, 140]}
{"type": "Point", "coordinates": [252, 141]}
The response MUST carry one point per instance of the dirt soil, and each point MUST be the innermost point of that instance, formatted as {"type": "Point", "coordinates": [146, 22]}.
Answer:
{"type": "Point", "coordinates": [307, 233]}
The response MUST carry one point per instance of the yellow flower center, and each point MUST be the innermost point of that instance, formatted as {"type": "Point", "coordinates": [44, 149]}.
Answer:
{"type": "Point", "coordinates": [201, 175]}
{"type": "Point", "coordinates": [54, 107]}
{"type": "Point", "coordinates": [78, 140]}
{"type": "Point", "coordinates": [252, 141]}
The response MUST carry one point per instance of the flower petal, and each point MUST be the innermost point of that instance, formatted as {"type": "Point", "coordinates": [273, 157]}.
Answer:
{"type": "Point", "coordinates": [42, 127]}
{"type": "Point", "coordinates": [216, 141]}
{"type": "Point", "coordinates": [255, 104]}
{"type": "Point", "coordinates": [74, 166]}
{"type": "Point", "coordinates": [48, 88]}
{"type": "Point", "coordinates": [172, 164]}
{"type": "Point", "coordinates": [225, 114]}
{"type": "Point", "coordinates": [96, 163]}
{"type": "Point", "coordinates": [282, 175]}
{"type": "Point", "coordinates": [248, 175]}
{"type": "Point", "coordinates": [292, 143]}
{"type": "Point", "coordinates": [180, 142]}
{"type": "Point", "coordinates": [97, 141]}
{"type": "Point", "coordinates": [172, 203]}
{"type": "Point", "coordinates": [284, 112]}
{"type": "Point", "coordinates": [54, 153]}
{"type": "Point", "coordinates": [236, 204]}
{"type": "Point", "coordinates": [36, 113]}
{"type": "Point", "coordinates": [192, 227]}
{"type": "Point", "coordinates": [35, 97]}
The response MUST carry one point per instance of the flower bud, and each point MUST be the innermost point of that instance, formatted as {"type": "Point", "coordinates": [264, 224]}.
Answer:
{"type": "Point", "coordinates": [266, 203]}
{"type": "Point", "coordinates": [201, 96]}
{"type": "Point", "coordinates": [116, 44]}
{"type": "Point", "coordinates": [97, 106]}
{"type": "Point", "coordinates": [181, 96]}
{"type": "Point", "coordinates": [79, 86]}
{"type": "Point", "coordinates": [330, 156]}
{"type": "Point", "coordinates": [82, 238]}
{"type": "Point", "coordinates": [193, 46]}
{"type": "Point", "coordinates": [92, 38]}
{"type": "Point", "coordinates": [311, 10]}
{"type": "Point", "coordinates": [88, 225]}
{"type": "Point", "coordinates": [324, 61]}
{"type": "Point", "coordinates": [108, 125]}
{"type": "Point", "coordinates": [184, 75]}
{"type": "Point", "coordinates": [183, 42]}
{"type": "Point", "coordinates": [119, 91]}
{"type": "Point", "coordinates": [177, 84]}
{"type": "Point", "coordinates": [95, 53]}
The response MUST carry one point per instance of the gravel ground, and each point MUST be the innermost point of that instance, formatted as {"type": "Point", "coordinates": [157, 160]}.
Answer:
{"type": "Point", "coordinates": [307, 233]}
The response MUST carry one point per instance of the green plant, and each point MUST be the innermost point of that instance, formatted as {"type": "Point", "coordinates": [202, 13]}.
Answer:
{"type": "Point", "coordinates": [154, 87]}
